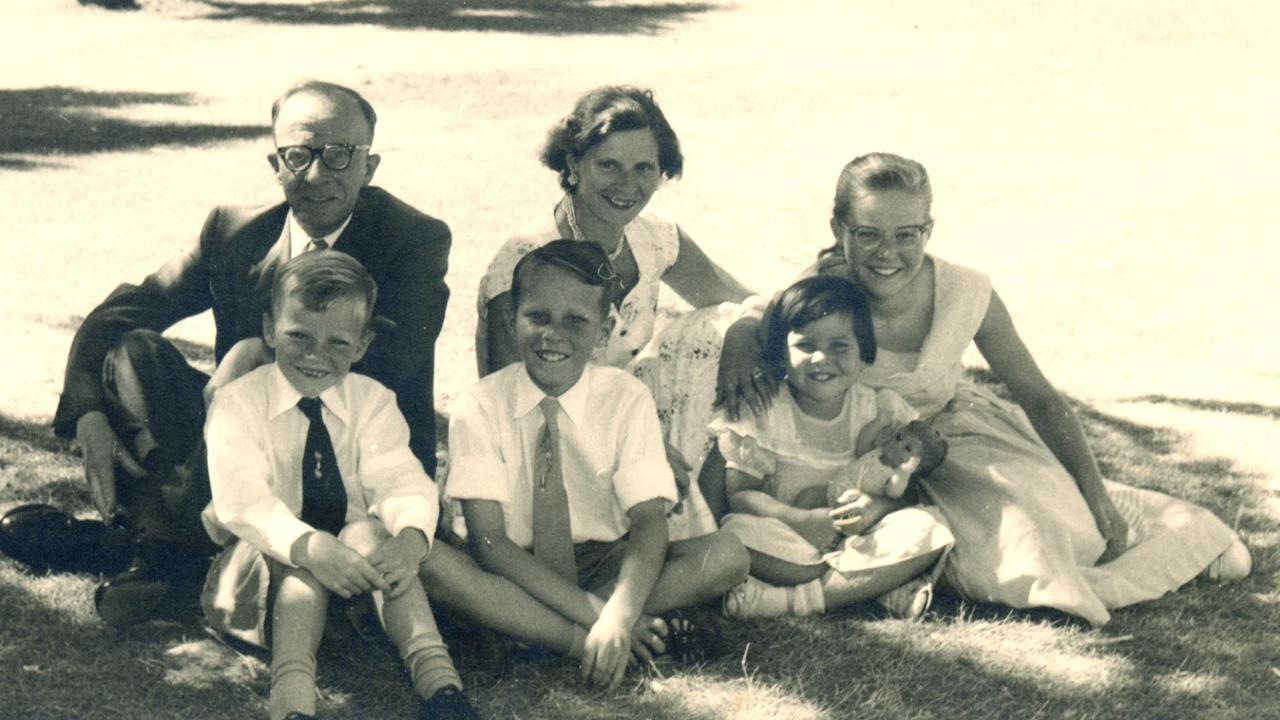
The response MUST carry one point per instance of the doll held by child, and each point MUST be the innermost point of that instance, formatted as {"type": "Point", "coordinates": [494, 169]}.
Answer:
{"type": "Point", "coordinates": [887, 471]}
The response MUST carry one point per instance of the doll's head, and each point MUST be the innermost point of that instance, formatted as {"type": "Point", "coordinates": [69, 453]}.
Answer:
{"type": "Point", "coordinates": [915, 439]}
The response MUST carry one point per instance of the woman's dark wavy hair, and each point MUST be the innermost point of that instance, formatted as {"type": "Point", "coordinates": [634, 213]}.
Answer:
{"type": "Point", "coordinates": [871, 173]}
{"type": "Point", "coordinates": [602, 112]}
{"type": "Point", "coordinates": [583, 260]}
{"type": "Point", "coordinates": [811, 299]}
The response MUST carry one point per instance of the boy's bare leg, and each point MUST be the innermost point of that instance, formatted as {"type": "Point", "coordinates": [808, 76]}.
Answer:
{"type": "Point", "coordinates": [698, 570]}
{"type": "Point", "coordinates": [297, 624]}
{"type": "Point", "coordinates": [456, 582]}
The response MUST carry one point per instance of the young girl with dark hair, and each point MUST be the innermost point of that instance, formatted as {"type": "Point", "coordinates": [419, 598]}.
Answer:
{"type": "Point", "coordinates": [818, 337]}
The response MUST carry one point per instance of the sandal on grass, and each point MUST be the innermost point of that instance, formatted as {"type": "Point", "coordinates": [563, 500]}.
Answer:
{"type": "Point", "coordinates": [690, 642]}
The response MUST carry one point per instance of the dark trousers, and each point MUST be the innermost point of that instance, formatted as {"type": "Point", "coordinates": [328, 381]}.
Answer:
{"type": "Point", "coordinates": [164, 395]}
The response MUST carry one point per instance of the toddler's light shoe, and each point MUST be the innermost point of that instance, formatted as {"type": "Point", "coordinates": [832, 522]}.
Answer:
{"type": "Point", "coordinates": [911, 600]}
{"type": "Point", "coordinates": [752, 598]}
{"type": "Point", "coordinates": [1235, 563]}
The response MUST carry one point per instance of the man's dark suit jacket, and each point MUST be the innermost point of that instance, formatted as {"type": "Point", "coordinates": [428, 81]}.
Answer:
{"type": "Point", "coordinates": [230, 271]}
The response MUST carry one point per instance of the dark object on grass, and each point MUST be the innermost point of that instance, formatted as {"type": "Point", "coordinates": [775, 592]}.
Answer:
{"type": "Point", "coordinates": [45, 538]}
{"type": "Point", "coordinates": [692, 642]}
{"type": "Point", "coordinates": [131, 597]}
{"type": "Point", "coordinates": [113, 4]}
{"type": "Point", "coordinates": [448, 704]}
{"type": "Point", "coordinates": [162, 581]}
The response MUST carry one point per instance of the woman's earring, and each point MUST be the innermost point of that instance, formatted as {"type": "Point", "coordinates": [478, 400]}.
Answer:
{"type": "Point", "coordinates": [573, 179]}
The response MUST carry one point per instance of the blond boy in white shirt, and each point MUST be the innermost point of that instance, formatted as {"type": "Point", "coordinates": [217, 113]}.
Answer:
{"type": "Point", "coordinates": [623, 574]}
{"type": "Point", "coordinates": [373, 529]}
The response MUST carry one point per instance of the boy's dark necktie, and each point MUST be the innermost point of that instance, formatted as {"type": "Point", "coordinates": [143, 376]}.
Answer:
{"type": "Point", "coordinates": [324, 499]}
{"type": "Point", "coordinates": [552, 539]}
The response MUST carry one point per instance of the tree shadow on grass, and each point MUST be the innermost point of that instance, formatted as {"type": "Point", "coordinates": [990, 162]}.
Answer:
{"type": "Point", "coordinates": [12, 163]}
{"type": "Point", "coordinates": [1223, 406]}
{"type": "Point", "coordinates": [71, 665]}
{"type": "Point", "coordinates": [1127, 451]}
{"type": "Point", "coordinates": [61, 121]}
{"type": "Point", "coordinates": [38, 467]}
{"type": "Point", "coordinates": [32, 435]}
{"type": "Point", "coordinates": [1202, 652]}
{"type": "Point", "coordinates": [535, 17]}
{"type": "Point", "coordinates": [1151, 457]}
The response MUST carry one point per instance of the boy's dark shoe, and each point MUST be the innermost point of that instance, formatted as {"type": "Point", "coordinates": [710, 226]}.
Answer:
{"type": "Point", "coordinates": [299, 716]}
{"type": "Point", "coordinates": [45, 538]}
{"type": "Point", "coordinates": [493, 652]}
{"type": "Point", "coordinates": [448, 704]}
{"type": "Point", "coordinates": [133, 596]}
{"type": "Point", "coordinates": [162, 582]}
{"type": "Point", "coordinates": [691, 642]}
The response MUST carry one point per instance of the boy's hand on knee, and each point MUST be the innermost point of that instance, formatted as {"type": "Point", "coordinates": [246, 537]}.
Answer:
{"type": "Point", "coordinates": [398, 559]}
{"type": "Point", "coordinates": [339, 568]}
{"type": "Point", "coordinates": [607, 651]}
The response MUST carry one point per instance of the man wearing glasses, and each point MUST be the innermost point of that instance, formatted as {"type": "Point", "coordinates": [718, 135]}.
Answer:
{"type": "Point", "coordinates": [135, 406]}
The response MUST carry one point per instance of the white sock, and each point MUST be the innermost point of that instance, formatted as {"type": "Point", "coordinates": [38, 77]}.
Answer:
{"type": "Point", "coordinates": [807, 598]}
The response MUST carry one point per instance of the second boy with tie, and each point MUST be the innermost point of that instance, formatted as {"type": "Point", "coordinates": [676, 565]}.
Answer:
{"type": "Point", "coordinates": [563, 480]}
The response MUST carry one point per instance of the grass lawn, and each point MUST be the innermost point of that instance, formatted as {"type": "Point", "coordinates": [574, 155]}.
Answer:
{"type": "Point", "coordinates": [1109, 165]}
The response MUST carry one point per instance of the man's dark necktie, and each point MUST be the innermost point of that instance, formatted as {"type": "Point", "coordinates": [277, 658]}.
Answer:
{"type": "Point", "coordinates": [324, 499]}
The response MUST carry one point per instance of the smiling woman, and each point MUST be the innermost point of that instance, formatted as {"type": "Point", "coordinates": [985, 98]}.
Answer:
{"type": "Point", "coordinates": [611, 154]}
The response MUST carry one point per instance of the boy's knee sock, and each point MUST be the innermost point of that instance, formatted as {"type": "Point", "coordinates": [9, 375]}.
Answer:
{"type": "Point", "coordinates": [431, 668]}
{"type": "Point", "coordinates": [411, 626]}
{"type": "Point", "coordinates": [293, 684]}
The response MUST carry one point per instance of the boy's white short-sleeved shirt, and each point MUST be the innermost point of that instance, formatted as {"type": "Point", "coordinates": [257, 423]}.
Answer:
{"type": "Point", "coordinates": [611, 450]}
{"type": "Point", "coordinates": [256, 435]}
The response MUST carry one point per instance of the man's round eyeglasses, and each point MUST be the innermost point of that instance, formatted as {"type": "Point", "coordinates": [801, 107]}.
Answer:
{"type": "Point", "coordinates": [336, 157]}
{"type": "Point", "coordinates": [904, 238]}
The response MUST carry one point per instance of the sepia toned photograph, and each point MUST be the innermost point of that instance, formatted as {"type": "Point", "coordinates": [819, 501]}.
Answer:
{"type": "Point", "coordinates": [644, 359]}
